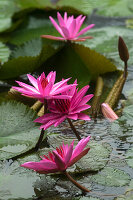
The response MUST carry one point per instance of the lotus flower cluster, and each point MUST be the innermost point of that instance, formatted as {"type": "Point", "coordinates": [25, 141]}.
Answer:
{"type": "Point", "coordinates": [61, 109]}
{"type": "Point", "coordinates": [60, 159]}
{"type": "Point", "coordinates": [69, 28]}
{"type": "Point", "coordinates": [44, 87]}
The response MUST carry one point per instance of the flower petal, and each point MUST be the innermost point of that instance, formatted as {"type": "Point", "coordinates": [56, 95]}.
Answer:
{"type": "Point", "coordinates": [108, 112]}
{"type": "Point", "coordinates": [56, 26]}
{"type": "Point", "coordinates": [84, 30]}
{"type": "Point", "coordinates": [69, 154]}
{"type": "Point", "coordinates": [83, 116]}
{"type": "Point", "coordinates": [33, 81]}
{"type": "Point", "coordinates": [59, 161]}
{"type": "Point", "coordinates": [52, 37]}
{"type": "Point", "coordinates": [78, 157]}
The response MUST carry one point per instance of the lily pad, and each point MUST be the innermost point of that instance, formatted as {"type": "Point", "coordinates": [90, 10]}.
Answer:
{"type": "Point", "coordinates": [4, 53]}
{"type": "Point", "coordinates": [18, 131]}
{"type": "Point", "coordinates": [128, 194]}
{"type": "Point", "coordinates": [26, 182]}
{"type": "Point", "coordinates": [106, 42]}
{"type": "Point", "coordinates": [7, 9]}
{"type": "Point", "coordinates": [111, 177]}
{"type": "Point", "coordinates": [129, 157]}
{"type": "Point", "coordinates": [95, 62]}
{"type": "Point", "coordinates": [29, 60]}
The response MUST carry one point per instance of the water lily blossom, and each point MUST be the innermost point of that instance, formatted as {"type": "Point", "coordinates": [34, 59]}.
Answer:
{"type": "Point", "coordinates": [108, 112]}
{"type": "Point", "coordinates": [61, 109]}
{"type": "Point", "coordinates": [44, 87]}
{"type": "Point", "coordinates": [60, 159]}
{"type": "Point", "coordinates": [69, 28]}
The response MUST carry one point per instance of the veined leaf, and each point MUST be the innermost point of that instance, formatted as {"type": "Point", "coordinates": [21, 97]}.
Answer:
{"type": "Point", "coordinates": [18, 132]}
{"type": "Point", "coordinates": [28, 58]}
{"type": "Point", "coordinates": [4, 52]}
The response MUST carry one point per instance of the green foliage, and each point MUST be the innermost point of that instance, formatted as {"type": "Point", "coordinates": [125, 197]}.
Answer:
{"type": "Point", "coordinates": [129, 157]}
{"type": "Point", "coordinates": [28, 58]}
{"type": "Point", "coordinates": [18, 132]}
{"type": "Point", "coordinates": [7, 9]}
{"type": "Point", "coordinates": [111, 177]}
{"type": "Point", "coordinates": [95, 62]}
{"type": "Point", "coordinates": [105, 41]}
{"type": "Point", "coordinates": [4, 52]}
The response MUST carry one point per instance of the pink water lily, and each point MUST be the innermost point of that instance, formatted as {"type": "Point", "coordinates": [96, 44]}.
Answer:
{"type": "Point", "coordinates": [108, 112]}
{"type": "Point", "coordinates": [69, 28]}
{"type": "Point", "coordinates": [60, 159]}
{"type": "Point", "coordinates": [61, 109]}
{"type": "Point", "coordinates": [44, 87]}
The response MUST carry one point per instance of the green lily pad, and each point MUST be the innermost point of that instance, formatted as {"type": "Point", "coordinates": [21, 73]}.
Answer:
{"type": "Point", "coordinates": [29, 60]}
{"type": "Point", "coordinates": [18, 131]}
{"type": "Point", "coordinates": [88, 198]}
{"type": "Point", "coordinates": [26, 182]}
{"type": "Point", "coordinates": [115, 8]}
{"type": "Point", "coordinates": [95, 62]}
{"type": "Point", "coordinates": [4, 53]}
{"type": "Point", "coordinates": [105, 41]}
{"type": "Point", "coordinates": [129, 157]}
{"type": "Point", "coordinates": [111, 177]}
{"type": "Point", "coordinates": [128, 194]}
{"type": "Point", "coordinates": [7, 9]}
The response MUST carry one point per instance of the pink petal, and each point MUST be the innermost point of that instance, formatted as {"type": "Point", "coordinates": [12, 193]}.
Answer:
{"type": "Point", "coordinates": [60, 84]}
{"type": "Point", "coordinates": [46, 117]}
{"type": "Point", "coordinates": [65, 17]}
{"type": "Point", "coordinates": [43, 166]}
{"type": "Point", "coordinates": [48, 89]}
{"type": "Point", "coordinates": [84, 30]}
{"type": "Point", "coordinates": [79, 22]}
{"type": "Point", "coordinates": [60, 120]}
{"type": "Point", "coordinates": [56, 26]}
{"type": "Point", "coordinates": [108, 112]}
{"type": "Point", "coordinates": [33, 81]}
{"type": "Point", "coordinates": [83, 116]}
{"type": "Point", "coordinates": [78, 157]}
{"type": "Point", "coordinates": [72, 29]}
{"type": "Point", "coordinates": [80, 146]}
{"type": "Point", "coordinates": [51, 77]}
{"type": "Point", "coordinates": [73, 116]}
{"type": "Point", "coordinates": [59, 161]}
{"type": "Point", "coordinates": [68, 154]}
{"type": "Point", "coordinates": [81, 108]}
{"type": "Point", "coordinates": [28, 87]}
{"type": "Point", "coordinates": [52, 37]}
{"type": "Point", "coordinates": [60, 20]}
{"type": "Point", "coordinates": [48, 124]}
{"type": "Point", "coordinates": [65, 32]}
{"type": "Point", "coordinates": [86, 99]}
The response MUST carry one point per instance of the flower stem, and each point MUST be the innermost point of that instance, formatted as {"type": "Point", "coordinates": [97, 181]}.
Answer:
{"type": "Point", "coordinates": [74, 129]}
{"type": "Point", "coordinates": [42, 131]}
{"type": "Point", "coordinates": [75, 183]}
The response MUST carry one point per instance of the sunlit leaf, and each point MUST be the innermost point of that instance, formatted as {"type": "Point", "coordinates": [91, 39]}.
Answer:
{"type": "Point", "coordinates": [4, 52]}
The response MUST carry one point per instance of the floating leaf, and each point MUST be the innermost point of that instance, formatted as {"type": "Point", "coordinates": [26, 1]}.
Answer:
{"type": "Point", "coordinates": [4, 53]}
{"type": "Point", "coordinates": [111, 177]}
{"type": "Point", "coordinates": [129, 157]}
{"type": "Point", "coordinates": [115, 8]}
{"type": "Point", "coordinates": [7, 9]}
{"type": "Point", "coordinates": [106, 40]}
{"type": "Point", "coordinates": [25, 64]}
{"type": "Point", "coordinates": [95, 62]}
{"type": "Point", "coordinates": [18, 132]}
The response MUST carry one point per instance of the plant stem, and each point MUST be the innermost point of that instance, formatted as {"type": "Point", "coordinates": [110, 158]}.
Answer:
{"type": "Point", "coordinates": [125, 70]}
{"type": "Point", "coordinates": [75, 183]}
{"type": "Point", "coordinates": [74, 129]}
{"type": "Point", "coordinates": [96, 99]}
{"type": "Point", "coordinates": [42, 131]}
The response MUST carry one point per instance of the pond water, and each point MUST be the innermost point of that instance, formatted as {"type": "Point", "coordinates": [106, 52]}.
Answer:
{"type": "Point", "coordinates": [110, 176]}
